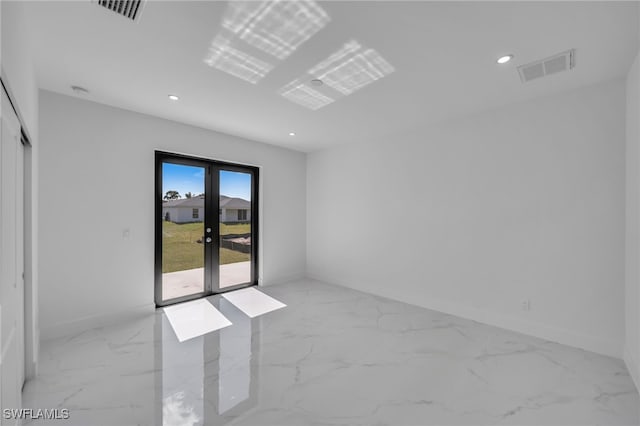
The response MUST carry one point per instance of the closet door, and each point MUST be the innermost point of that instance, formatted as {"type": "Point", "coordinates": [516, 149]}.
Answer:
{"type": "Point", "coordinates": [11, 258]}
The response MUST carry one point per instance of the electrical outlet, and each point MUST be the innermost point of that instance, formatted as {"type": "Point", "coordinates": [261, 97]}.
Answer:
{"type": "Point", "coordinates": [526, 305]}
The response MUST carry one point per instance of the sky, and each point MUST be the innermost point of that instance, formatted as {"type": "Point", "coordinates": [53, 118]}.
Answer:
{"type": "Point", "coordinates": [185, 179]}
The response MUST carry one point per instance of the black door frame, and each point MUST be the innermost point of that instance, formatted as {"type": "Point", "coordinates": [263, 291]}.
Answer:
{"type": "Point", "coordinates": [211, 220]}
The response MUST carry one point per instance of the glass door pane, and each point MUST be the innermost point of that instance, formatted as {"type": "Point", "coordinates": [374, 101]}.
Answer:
{"type": "Point", "coordinates": [183, 240]}
{"type": "Point", "coordinates": [205, 227]}
{"type": "Point", "coordinates": [235, 228]}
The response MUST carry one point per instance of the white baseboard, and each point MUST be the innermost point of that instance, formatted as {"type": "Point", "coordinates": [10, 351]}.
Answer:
{"type": "Point", "coordinates": [543, 331]}
{"type": "Point", "coordinates": [633, 367]}
{"type": "Point", "coordinates": [283, 279]}
{"type": "Point", "coordinates": [93, 321]}
{"type": "Point", "coordinates": [567, 337]}
{"type": "Point", "coordinates": [100, 320]}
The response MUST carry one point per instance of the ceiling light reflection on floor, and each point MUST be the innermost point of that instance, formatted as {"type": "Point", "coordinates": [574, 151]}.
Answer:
{"type": "Point", "coordinates": [344, 72]}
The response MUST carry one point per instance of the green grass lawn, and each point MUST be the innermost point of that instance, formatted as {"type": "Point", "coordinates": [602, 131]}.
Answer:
{"type": "Point", "coordinates": [180, 249]}
{"type": "Point", "coordinates": [235, 229]}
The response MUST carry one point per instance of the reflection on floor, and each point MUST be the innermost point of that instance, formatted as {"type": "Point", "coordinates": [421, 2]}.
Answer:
{"type": "Point", "coordinates": [190, 281]}
{"type": "Point", "coordinates": [253, 302]}
{"type": "Point", "coordinates": [195, 318]}
{"type": "Point", "coordinates": [199, 317]}
{"type": "Point", "coordinates": [207, 378]}
{"type": "Point", "coordinates": [334, 356]}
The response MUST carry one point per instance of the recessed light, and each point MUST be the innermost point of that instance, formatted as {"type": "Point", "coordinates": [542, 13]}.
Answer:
{"type": "Point", "coordinates": [504, 59]}
{"type": "Point", "coordinates": [292, 134]}
{"type": "Point", "coordinates": [173, 97]}
{"type": "Point", "coordinates": [80, 90]}
{"type": "Point", "coordinates": [316, 82]}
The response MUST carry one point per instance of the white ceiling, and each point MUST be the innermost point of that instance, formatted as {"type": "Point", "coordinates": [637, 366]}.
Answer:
{"type": "Point", "coordinates": [443, 53]}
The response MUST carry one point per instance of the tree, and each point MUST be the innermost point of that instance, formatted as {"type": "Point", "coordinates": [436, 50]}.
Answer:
{"type": "Point", "coordinates": [172, 195]}
{"type": "Point", "coordinates": [188, 195]}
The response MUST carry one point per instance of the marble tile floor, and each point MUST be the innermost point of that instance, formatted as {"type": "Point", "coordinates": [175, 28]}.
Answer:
{"type": "Point", "coordinates": [333, 356]}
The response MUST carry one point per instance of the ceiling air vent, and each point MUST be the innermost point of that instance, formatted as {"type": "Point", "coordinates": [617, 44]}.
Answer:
{"type": "Point", "coordinates": [128, 8]}
{"type": "Point", "coordinates": [561, 62]}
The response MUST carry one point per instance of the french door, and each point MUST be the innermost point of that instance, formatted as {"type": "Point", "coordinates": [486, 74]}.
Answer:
{"type": "Point", "coordinates": [206, 217]}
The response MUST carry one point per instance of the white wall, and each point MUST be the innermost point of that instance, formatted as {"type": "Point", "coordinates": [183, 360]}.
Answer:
{"type": "Point", "coordinates": [18, 75]}
{"type": "Point", "coordinates": [520, 203]}
{"type": "Point", "coordinates": [97, 158]}
{"type": "Point", "coordinates": [632, 293]}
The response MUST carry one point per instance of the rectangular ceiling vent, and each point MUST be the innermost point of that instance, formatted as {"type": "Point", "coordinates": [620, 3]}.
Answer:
{"type": "Point", "coordinates": [554, 64]}
{"type": "Point", "coordinates": [130, 9]}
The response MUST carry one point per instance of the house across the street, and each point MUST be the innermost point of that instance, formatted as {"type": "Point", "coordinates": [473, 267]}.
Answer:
{"type": "Point", "coordinates": [185, 210]}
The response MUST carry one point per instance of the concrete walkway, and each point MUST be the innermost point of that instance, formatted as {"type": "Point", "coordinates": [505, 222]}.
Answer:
{"type": "Point", "coordinates": [182, 283]}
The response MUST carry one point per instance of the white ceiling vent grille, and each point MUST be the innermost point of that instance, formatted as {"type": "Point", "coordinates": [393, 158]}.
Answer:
{"type": "Point", "coordinates": [128, 8]}
{"type": "Point", "coordinates": [561, 62]}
